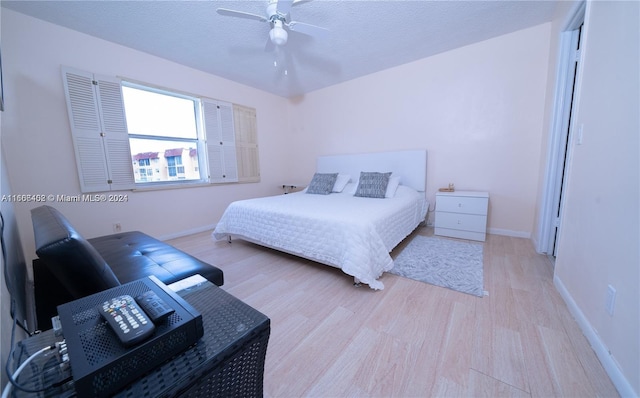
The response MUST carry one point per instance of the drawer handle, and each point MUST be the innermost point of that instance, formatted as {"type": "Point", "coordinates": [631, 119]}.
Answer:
{"type": "Point", "coordinates": [459, 204]}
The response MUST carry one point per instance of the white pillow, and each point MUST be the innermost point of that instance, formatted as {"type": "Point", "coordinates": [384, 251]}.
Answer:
{"type": "Point", "coordinates": [394, 181]}
{"type": "Point", "coordinates": [341, 182]}
{"type": "Point", "coordinates": [351, 188]}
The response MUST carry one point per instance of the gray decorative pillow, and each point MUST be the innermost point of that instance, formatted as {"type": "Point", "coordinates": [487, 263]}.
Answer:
{"type": "Point", "coordinates": [322, 183]}
{"type": "Point", "coordinates": [372, 184]}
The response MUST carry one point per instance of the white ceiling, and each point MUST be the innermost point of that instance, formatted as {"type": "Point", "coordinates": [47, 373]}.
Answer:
{"type": "Point", "coordinates": [366, 36]}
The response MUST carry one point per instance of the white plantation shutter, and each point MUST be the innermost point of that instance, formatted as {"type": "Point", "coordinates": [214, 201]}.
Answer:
{"type": "Point", "coordinates": [221, 147]}
{"type": "Point", "coordinates": [116, 137]}
{"type": "Point", "coordinates": [99, 130]}
{"type": "Point", "coordinates": [85, 128]}
{"type": "Point", "coordinates": [245, 123]}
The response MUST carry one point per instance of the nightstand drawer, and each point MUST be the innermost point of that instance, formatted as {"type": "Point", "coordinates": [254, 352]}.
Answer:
{"type": "Point", "coordinates": [466, 222]}
{"type": "Point", "coordinates": [462, 204]}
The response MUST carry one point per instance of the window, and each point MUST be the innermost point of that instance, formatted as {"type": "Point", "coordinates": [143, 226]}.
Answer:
{"type": "Point", "coordinates": [165, 125]}
{"type": "Point", "coordinates": [174, 167]}
{"type": "Point", "coordinates": [127, 135]}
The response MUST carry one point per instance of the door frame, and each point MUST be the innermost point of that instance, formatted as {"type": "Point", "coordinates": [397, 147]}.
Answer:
{"type": "Point", "coordinates": [557, 135]}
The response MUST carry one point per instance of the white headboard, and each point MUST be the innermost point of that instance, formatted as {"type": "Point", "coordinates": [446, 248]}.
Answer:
{"type": "Point", "coordinates": [410, 165]}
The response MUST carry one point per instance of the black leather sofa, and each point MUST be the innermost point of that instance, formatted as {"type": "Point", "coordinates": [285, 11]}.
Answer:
{"type": "Point", "coordinates": [71, 267]}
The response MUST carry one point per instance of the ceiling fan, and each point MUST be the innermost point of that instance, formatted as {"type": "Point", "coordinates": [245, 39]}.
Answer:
{"type": "Point", "coordinates": [278, 16]}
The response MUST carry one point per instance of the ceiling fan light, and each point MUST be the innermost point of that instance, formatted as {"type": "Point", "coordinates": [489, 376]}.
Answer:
{"type": "Point", "coordinates": [278, 35]}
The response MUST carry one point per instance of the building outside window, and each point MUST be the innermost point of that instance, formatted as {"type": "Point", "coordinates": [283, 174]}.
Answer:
{"type": "Point", "coordinates": [143, 166]}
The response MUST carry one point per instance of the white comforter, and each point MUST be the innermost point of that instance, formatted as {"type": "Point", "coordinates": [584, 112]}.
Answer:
{"type": "Point", "coordinates": [352, 233]}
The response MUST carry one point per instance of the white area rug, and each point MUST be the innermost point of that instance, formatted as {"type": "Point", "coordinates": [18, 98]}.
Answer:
{"type": "Point", "coordinates": [450, 263]}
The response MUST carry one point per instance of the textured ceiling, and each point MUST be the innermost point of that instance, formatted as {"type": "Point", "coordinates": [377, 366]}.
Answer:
{"type": "Point", "coordinates": [366, 36]}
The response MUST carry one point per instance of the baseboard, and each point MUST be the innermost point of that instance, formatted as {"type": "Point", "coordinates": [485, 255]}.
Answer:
{"type": "Point", "coordinates": [180, 234]}
{"type": "Point", "coordinates": [507, 232]}
{"type": "Point", "coordinates": [602, 352]}
{"type": "Point", "coordinates": [536, 245]}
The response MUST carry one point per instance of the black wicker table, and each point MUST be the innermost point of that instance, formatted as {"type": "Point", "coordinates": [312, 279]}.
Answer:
{"type": "Point", "coordinates": [228, 361]}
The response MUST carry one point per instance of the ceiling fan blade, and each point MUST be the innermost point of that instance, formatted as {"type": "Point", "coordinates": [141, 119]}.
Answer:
{"type": "Point", "coordinates": [296, 2]}
{"type": "Point", "coordinates": [241, 14]}
{"type": "Point", "coordinates": [308, 29]}
{"type": "Point", "coordinates": [284, 6]}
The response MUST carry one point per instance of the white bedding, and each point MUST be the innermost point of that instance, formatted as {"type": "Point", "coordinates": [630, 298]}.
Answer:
{"type": "Point", "coordinates": [352, 233]}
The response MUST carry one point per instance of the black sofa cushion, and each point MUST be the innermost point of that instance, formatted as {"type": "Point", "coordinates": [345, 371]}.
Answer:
{"type": "Point", "coordinates": [135, 255]}
{"type": "Point", "coordinates": [76, 264]}
{"type": "Point", "coordinates": [85, 267]}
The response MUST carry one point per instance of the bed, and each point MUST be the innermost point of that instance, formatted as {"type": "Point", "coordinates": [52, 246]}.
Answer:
{"type": "Point", "coordinates": [340, 229]}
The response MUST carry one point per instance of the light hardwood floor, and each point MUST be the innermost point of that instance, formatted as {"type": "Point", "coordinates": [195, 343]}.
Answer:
{"type": "Point", "coordinates": [331, 339]}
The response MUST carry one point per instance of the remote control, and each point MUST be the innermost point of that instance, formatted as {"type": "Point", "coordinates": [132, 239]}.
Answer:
{"type": "Point", "coordinates": [153, 305]}
{"type": "Point", "coordinates": [127, 320]}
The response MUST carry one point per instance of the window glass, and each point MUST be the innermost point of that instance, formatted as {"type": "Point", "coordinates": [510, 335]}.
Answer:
{"type": "Point", "coordinates": [164, 160]}
{"type": "Point", "coordinates": [158, 113]}
{"type": "Point", "coordinates": [163, 135]}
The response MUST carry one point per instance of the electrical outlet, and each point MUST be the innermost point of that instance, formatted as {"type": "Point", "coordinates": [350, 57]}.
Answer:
{"type": "Point", "coordinates": [117, 227]}
{"type": "Point", "coordinates": [611, 299]}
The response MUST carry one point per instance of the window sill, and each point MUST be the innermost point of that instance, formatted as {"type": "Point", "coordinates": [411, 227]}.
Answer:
{"type": "Point", "coordinates": [165, 186]}
{"type": "Point", "coordinates": [196, 184]}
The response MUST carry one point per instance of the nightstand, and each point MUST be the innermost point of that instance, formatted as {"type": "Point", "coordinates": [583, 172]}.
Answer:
{"type": "Point", "coordinates": [289, 188]}
{"type": "Point", "coordinates": [462, 214]}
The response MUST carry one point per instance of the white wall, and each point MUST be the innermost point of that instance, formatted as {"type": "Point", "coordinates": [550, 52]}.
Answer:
{"type": "Point", "coordinates": [37, 140]}
{"type": "Point", "coordinates": [599, 242]}
{"type": "Point", "coordinates": [478, 110]}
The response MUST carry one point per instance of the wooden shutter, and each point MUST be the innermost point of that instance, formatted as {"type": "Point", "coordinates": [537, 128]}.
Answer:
{"type": "Point", "coordinates": [88, 145]}
{"type": "Point", "coordinates": [246, 143]}
{"type": "Point", "coordinates": [221, 146]}
{"type": "Point", "coordinates": [98, 128]}
{"type": "Point", "coordinates": [116, 135]}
